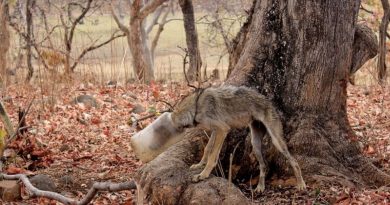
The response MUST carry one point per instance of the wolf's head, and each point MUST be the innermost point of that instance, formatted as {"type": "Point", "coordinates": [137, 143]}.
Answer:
{"type": "Point", "coordinates": [155, 138]}
{"type": "Point", "coordinates": [184, 113]}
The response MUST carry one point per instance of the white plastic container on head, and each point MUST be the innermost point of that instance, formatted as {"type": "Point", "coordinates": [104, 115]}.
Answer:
{"type": "Point", "coordinates": [155, 138]}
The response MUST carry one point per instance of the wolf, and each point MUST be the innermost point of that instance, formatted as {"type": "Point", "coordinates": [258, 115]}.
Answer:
{"type": "Point", "coordinates": [219, 109]}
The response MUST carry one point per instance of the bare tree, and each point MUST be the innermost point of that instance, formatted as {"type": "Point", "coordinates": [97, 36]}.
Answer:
{"type": "Point", "coordinates": [5, 38]}
{"type": "Point", "coordinates": [381, 66]}
{"type": "Point", "coordinates": [29, 37]}
{"type": "Point", "coordinates": [194, 70]}
{"type": "Point", "coordinates": [69, 24]}
{"type": "Point", "coordinates": [221, 20]}
{"type": "Point", "coordinates": [137, 35]}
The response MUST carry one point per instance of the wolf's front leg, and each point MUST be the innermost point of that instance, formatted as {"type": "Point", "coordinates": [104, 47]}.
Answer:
{"type": "Point", "coordinates": [220, 135]}
{"type": "Point", "coordinates": [206, 153]}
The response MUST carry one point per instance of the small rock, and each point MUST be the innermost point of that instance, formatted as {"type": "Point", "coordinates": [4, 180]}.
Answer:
{"type": "Point", "coordinates": [131, 81]}
{"type": "Point", "coordinates": [64, 147]}
{"type": "Point", "coordinates": [7, 99]}
{"type": "Point", "coordinates": [138, 108]}
{"type": "Point", "coordinates": [9, 153]}
{"type": "Point", "coordinates": [9, 190]}
{"type": "Point", "coordinates": [43, 182]}
{"type": "Point", "coordinates": [112, 83]}
{"type": "Point", "coordinates": [132, 95]}
{"type": "Point", "coordinates": [66, 180]}
{"type": "Point", "coordinates": [87, 100]}
{"type": "Point", "coordinates": [109, 100]}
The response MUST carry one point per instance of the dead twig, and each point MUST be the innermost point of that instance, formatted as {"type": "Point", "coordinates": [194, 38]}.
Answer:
{"type": "Point", "coordinates": [96, 187]}
{"type": "Point", "coordinates": [185, 62]}
{"type": "Point", "coordinates": [135, 121]}
{"type": "Point", "coordinates": [366, 10]}
{"type": "Point", "coordinates": [171, 107]}
{"type": "Point", "coordinates": [18, 128]}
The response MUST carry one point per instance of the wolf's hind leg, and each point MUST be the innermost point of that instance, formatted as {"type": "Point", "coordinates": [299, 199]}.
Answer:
{"type": "Point", "coordinates": [275, 130]}
{"type": "Point", "coordinates": [257, 133]}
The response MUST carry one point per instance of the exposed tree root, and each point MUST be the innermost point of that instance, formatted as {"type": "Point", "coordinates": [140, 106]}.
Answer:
{"type": "Point", "coordinates": [96, 187]}
{"type": "Point", "coordinates": [324, 146]}
{"type": "Point", "coordinates": [167, 179]}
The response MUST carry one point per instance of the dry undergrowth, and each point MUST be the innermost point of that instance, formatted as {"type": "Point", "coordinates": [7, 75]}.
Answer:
{"type": "Point", "coordinates": [88, 144]}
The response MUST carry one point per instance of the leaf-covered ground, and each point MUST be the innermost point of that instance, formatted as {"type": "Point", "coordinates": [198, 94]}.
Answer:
{"type": "Point", "coordinates": [77, 144]}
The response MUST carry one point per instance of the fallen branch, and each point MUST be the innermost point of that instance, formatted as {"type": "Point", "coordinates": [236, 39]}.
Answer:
{"type": "Point", "coordinates": [96, 187]}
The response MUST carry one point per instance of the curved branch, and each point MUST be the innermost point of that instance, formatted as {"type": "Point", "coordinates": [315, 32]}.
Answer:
{"type": "Point", "coordinates": [121, 26]}
{"type": "Point", "coordinates": [93, 47]}
{"type": "Point", "coordinates": [96, 187]}
{"type": "Point", "coordinates": [366, 10]}
{"type": "Point", "coordinates": [154, 20]}
{"type": "Point", "coordinates": [150, 7]}
{"type": "Point", "coordinates": [78, 19]}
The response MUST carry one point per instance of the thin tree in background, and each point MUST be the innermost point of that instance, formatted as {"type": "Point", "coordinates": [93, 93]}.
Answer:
{"type": "Point", "coordinates": [381, 66]}
{"type": "Point", "coordinates": [137, 35]}
{"type": "Point", "coordinates": [29, 38]}
{"type": "Point", "coordinates": [195, 63]}
{"type": "Point", "coordinates": [5, 39]}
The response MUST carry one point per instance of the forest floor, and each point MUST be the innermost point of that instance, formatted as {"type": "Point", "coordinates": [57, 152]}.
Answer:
{"type": "Point", "coordinates": [84, 144]}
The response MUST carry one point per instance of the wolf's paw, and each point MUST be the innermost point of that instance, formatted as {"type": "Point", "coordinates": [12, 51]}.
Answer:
{"type": "Point", "coordinates": [301, 186]}
{"type": "Point", "coordinates": [197, 166]}
{"type": "Point", "coordinates": [198, 177]}
{"type": "Point", "coordinates": [260, 188]}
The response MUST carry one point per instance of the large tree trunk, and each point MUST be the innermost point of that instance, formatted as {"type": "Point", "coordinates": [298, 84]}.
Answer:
{"type": "Point", "coordinates": [298, 54]}
{"type": "Point", "coordinates": [301, 59]}
{"type": "Point", "coordinates": [142, 62]}
{"type": "Point", "coordinates": [5, 40]}
{"type": "Point", "coordinates": [191, 39]}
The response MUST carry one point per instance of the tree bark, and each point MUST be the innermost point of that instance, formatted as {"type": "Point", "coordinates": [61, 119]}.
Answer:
{"type": "Point", "coordinates": [309, 90]}
{"type": "Point", "coordinates": [137, 37]}
{"type": "Point", "coordinates": [142, 61]}
{"type": "Point", "coordinates": [29, 38]}
{"type": "Point", "coordinates": [167, 179]}
{"type": "Point", "coordinates": [194, 70]}
{"type": "Point", "coordinates": [299, 54]}
{"type": "Point", "coordinates": [5, 38]}
{"type": "Point", "coordinates": [365, 47]}
{"type": "Point", "coordinates": [381, 66]}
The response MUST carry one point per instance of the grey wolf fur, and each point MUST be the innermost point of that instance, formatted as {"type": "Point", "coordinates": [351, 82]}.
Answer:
{"type": "Point", "coordinates": [223, 108]}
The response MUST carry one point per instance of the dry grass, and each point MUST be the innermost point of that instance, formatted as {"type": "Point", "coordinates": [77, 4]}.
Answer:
{"type": "Point", "coordinates": [113, 61]}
